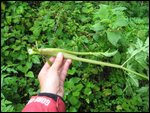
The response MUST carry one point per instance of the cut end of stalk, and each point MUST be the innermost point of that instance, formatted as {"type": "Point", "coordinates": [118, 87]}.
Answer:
{"type": "Point", "coordinates": [31, 52]}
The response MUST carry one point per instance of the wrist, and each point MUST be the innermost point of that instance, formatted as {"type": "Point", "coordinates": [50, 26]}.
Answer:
{"type": "Point", "coordinates": [48, 91]}
{"type": "Point", "coordinates": [51, 95]}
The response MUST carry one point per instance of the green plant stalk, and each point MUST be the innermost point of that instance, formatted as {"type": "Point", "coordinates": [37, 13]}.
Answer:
{"type": "Point", "coordinates": [67, 54]}
{"type": "Point", "coordinates": [76, 53]}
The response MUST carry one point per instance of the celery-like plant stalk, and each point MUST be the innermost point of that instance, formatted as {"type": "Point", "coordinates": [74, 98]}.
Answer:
{"type": "Point", "coordinates": [72, 55]}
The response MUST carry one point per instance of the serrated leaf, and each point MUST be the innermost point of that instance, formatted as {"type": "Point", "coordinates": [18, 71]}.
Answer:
{"type": "Point", "coordinates": [147, 42]}
{"type": "Point", "coordinates": [113, 37]}
{"type": "Point", "coordinates": [7, 102]}
{"type": "Point", "coordinates": [133, 80]}
{"type": "Point", "coordinates": [141, 59]}
{"type": "Point", "coordinates": [119, 8]}
{"type": "Point", "coordinates": [143, 90]}
{"type": "Point", "coordinates": [139, 43]}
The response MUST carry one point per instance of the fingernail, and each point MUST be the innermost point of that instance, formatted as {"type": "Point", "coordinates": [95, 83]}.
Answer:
{"type": "Point", "coordinates": [59, 54]}
{"type": "Point", "coordinates": [69, 60]}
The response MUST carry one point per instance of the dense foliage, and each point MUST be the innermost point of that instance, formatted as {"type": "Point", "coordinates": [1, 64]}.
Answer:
{"type": "Point", "coordinates": [77, 26]}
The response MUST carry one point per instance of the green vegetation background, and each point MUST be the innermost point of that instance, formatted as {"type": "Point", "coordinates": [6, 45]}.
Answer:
{"type": "Point", "coordinates": [77, 26]}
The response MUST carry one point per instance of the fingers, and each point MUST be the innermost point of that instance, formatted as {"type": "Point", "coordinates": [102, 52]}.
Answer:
{"type": "Point", "coordinates": [52, 59]}
{"type": "Point", "coordinates": [58, 61]}
{"type": "Point", "coordinates": [45, 68]}
{"type": "Point", "coordinates": [65, 69]}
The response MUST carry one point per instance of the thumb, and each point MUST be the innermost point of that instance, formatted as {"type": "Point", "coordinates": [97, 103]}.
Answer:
{"type": "Point", "coordinates": [58, 61]}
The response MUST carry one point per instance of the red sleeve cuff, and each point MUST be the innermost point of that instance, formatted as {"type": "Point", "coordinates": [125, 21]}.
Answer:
{"type": "Point", "coordinates": [45, 104]}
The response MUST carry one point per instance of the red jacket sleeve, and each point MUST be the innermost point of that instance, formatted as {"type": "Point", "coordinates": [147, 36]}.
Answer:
{"type": "Point", "coordinates": [47, 103]}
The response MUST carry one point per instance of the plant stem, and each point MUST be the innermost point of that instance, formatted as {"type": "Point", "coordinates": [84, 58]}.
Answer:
{"type": "Point", "coordinates": [54, 51]}
{"type": "Point", "coordinates": [76, 53]}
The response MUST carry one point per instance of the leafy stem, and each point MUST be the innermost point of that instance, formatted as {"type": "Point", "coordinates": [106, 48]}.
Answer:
{"type": "Point", "coordinates": [72, 55]}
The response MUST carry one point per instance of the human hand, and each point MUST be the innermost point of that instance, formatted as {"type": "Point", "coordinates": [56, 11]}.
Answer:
{"type": "Point", "coordinates": [52, 77]}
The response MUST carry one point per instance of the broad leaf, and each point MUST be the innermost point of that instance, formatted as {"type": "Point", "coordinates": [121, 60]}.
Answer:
{"type": "Point", "coordinates": [113, 37]}
{"type": "Point", "coordinates": [97, 27]}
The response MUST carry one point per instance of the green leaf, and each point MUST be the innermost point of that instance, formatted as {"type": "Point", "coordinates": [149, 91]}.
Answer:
{"type": "Point", "coordinates": [117, 58]}
{"type": "Point", "coordinates": [20, 10]}
{"type": "Point", "coordinates": [37, 31]}
{"type": "Point", "coordinates": [35, 59]}
{"type": "Point", "coordinates": [29, 65]}
{"type": "Point", "coordinates": [96, 37]}
{"type": "Point", "coordinates": [7, 102]}
{"type": "Point", "coordinates": [73, 100]}
{"type": "Point", "coordinates": [97, 27]}
{"type": "Point", "coordinates": [119, 9]}
{"type": "Point", "coordinates": [133, 80]}
{"type": "Point", "coordinates": [72, 71]}
{"type": "Point", "coordinates": [103, 12]}
{"type": "Point", "coordinates": [87, 8]}
{"type": "Point", "coordinates": [87, 100]}
{"type": "Point", "coordinates": [3, 6]}
{"type": "Point", "coordinates": [9, 19]}
{"type": "Point", "coordinates": [141, 59]}
{"type": "Point", "coordinates": [20, 68]}
{"type": "Point", "coordinates": [75, 79]}
{"type": "Point", "coordinates": [87, 91]}
{"type": "Point", "coordinates": [109, 54]}
{"type": "Point", "coordinates": [119, 91]}
{"type": "Point", "coordinates": [119, 107]}
{"type": "Point", "coordinates": [30, 74]}
{"type": "Point", "coordinates": [143, 90]}
{"type": "Point", "coordinates": [146, 42]}
{"type": "Point", "coordinates": [113, 37]}
{"type": "Point", "coordinates": [22, 57]}
{"type": "Point", "coordinates": [78, 87]}
{"type": "Point", "coordinates": [76, 94]}
{"type": "Point", "coordinates": [106, 92]}
{"type": "Point", "coordinates": [139, 43]}
{"type": "Point", "coordinates": [120, 22]}
{"type": "Point", "coordinates": [73, 109]}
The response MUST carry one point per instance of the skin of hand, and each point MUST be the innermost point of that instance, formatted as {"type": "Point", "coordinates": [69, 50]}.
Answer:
{"type": "Point", "coordinates": [52, 77]}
